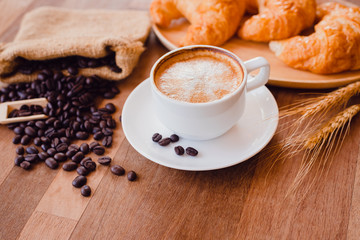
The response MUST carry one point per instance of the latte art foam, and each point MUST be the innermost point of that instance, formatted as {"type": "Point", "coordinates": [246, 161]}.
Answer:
{"type": "Point", "coordinates": [198, 76]}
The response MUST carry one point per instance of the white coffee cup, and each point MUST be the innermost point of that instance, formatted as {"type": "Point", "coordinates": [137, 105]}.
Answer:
{"type": "Point", "coordinates": [207, 120]}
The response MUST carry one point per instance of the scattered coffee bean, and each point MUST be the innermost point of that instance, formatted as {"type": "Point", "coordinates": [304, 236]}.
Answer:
{"type": "Point", "coordinates": [98, 136]}
{"type": "Point", "coordinates": [111, 107]}
{"type": "Point", "coordinates": [107, 141]}
{"type": "Point", "coordinates": [92, 145]}
{"type": "Point", "coordinates": [31, 158]}
{"type": "Point", "coordinates": [164, 142]}
{"type": "Point", "coordinates": [82, 171]}
{"type": "Point", "coordinates": [61, 147]}
{"type": "Point", "coordinates": [19, 130]}
{"type": "Point", "coordinates": [32, 150]}
{"type": "Point", "coordinates": [18, 160]}
{"type": "Point", "coordinates": [79, 181]}
{"type": "Point", "coordinates": [90, 165]}
{"type": "Point", "coordinates": [117, 170]}
{"type": "Point", "coordinates": [191, 151]}
{"type": "Point", "coordinates": [43, 156]}
{"type": "Point", "coordinates": [20, 150]}
{"type": "Point", "coordinates": [74, 147]}
{"type": "Point", "coordinates": [30, 131]}
{"type": "Point", "coordinates": [17, 139]}
{"type": "Point", "coordinates": [179, 150]}
{"type": "Point", "coordinates": [51, 152]}
{"type": "Point", "coordinates": [98, 150]}
{"type": "Point", "coordinates": [25, 165]}
{"type": "Point", "coordinates": [85, 191]}
{"type": "Point", "coordinates": [82, 135]}
{"type": "Point", "coordinates": [131, 176]}
{"type": "Point", "coordinates": [84, 148]}
{"type": "Point", "coordinates": [51, 163]}
{"type": "Point", "coordinates": [104, 160]}
{"type": "Point", "coordinates": [156, 137]}
{"type": "Point", "coordinates": [25, 140]}
{"type": "Point", "coordinates": [37, 141]}
{"type": "Point", "coordinates": [71, 153]}
{"type": "Point", "coordinates": [60, 157]}
{"type": "Point", "coordinates": [85, 159]}
{"type": "Point", "coordinates": [174, 138]}
{"type": "Point", "coordinates": [77, 157]}
{"type": "Point", "coordinates": [70, 166]}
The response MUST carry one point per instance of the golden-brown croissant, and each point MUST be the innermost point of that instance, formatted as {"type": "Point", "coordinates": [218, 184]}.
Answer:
{"type": "Point", "coordinates": [212, 21]}
{"type": "Point", "coordinates": [277, 19]}
{"type": "Point", "coordinates": [333, 47]}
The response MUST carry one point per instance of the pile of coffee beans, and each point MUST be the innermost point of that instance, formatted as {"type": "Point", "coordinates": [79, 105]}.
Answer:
{"type": "Point", "coordinates": [26, 110]}
{"type": "Point", "coordinates": [71, 64]}
{"type": "Point", "coordinates": [73, 115]}
{"type": "Point", "coordinates": [179, 150]}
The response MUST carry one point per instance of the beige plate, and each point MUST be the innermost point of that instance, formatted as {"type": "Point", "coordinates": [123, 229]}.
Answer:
{"type": "Point", "coordinates": [280, 75]}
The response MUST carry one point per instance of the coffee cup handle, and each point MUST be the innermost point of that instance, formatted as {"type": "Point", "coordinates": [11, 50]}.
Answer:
{"type": "Point", "coordinates": [262, 77]}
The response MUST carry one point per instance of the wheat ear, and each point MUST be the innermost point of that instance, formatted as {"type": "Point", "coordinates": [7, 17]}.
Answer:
{"type": "Point", "coordinates": [323, 103]}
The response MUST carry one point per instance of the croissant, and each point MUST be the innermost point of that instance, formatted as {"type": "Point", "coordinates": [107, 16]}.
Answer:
{"type": "Point", "coordinates": [333, 47]}
{"type": "Point", "coordinates": [277, 19]}
{"type": "Point", "coordinates": [212, 21]}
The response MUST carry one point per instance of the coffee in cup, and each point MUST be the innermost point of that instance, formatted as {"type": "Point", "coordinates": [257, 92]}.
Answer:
{"type": "Point", "coordinates": [199, 76]}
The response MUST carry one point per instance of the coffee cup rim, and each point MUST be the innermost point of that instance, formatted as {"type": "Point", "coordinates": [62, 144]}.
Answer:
{"type": "Point", "coordinates": [222, 50]}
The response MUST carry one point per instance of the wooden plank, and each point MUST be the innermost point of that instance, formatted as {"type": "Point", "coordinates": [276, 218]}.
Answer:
{"type": "Point", "coordinates": [156, 208]}
{"type": "Point", "coordinates": [46, 226]}
{"type": "Point", "coordinates": [19, 195]}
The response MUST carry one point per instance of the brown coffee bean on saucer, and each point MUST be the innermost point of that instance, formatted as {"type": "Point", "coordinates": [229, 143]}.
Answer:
{"type": "Point", "coordinates": [174, 138]}
{"type": "Point", "coordinates": [191, 151]}
{"type": "Point", "coordinates": [156, 137]}
{"type": "Point", "coordinates": [179, 150]}
{"type": "Point", "coordinates": [164, 142]}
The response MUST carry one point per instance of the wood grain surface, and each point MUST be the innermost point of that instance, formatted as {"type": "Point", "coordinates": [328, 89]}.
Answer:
{"type": "Point", "coordinates": [246, 201]}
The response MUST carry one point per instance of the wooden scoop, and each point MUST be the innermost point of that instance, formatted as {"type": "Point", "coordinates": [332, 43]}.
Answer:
{"type": "Point", "coordinates": [7, 107]}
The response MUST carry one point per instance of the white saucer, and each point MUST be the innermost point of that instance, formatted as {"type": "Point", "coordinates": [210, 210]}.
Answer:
{"type": "Point", "coordinates": [249, 136]}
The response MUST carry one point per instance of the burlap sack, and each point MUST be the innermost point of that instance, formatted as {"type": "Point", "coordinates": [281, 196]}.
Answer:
{"type": "Point", "coordinates": [49, 33]}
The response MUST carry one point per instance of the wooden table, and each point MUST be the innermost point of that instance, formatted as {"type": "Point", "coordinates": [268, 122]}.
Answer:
{"type": "Point", "coordinates": [238, 202]}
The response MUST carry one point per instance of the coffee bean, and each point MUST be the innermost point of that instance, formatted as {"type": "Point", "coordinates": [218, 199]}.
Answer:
{"type": "Point", "coordinates": [107, 131]}
{"type": "Point", "coordinates": [40, 124]}
{"type": "Point", "coordinates": [110, 122]}
{"type": "Point", "coordinates": [84, 148]}
{"type": "Point", "coordinates": [70, 166]}
{"type": "Point", "coordinates": [20, 150]}
{"type": "Point", "coordinates": [82, 135]}
{"type": "Point", "coordinates": [98, 150]}
{"type": "Point", "coordinates": [85, 159]}
{"type": "Point", "coordinates": [62, 147]}
{"type": "Point", "coordinates": [82, 171]}
{"type": "Point", "coordinates": [71, 153]}
{"type": "Point", "coordinates": [65, 140]}
{"type": "Point", "coordinates": [191, 151]}
{"type": "Point", "coordinates": [30, 131]}
{"type": "Point", "coordinates": [90, 165]}
{"type": "Point", "coordinates": [102, 124]}
{"type": "Point", "coordinates": [17, 139]}
{"type": "Point", "coordinates": [51, 163]}
{"type": "Point", "coordinates": [131, 176]}
{"type": "Point", "coordinates": [32, 150]}
{"type": "Point", "coordinates": [79, 181]}
{"type": "Point", "coordinates": [19, 130]}
{"type": "Point", "coordinates": [43, 156]}
{"type": "Point", "coordinates": [73, 147]}
{"type": "Point", "coordinates": [37, 141]}
{"type": "Point", "coordinates": [85, 191]}
{"type": "Point", "coordinates": [25, 165]}
{"type": "Point", "coordinates": [164, 142]}
{"type": "Point", "coordinates": [25, 140]}
{"type": "Point", "coordinates": [110, 107]}
{"type": "Point", "coordinates": [31, 158]}
{"type": "Point", "coordinates": [45, 147]}
{"type": "Point", "coordinates": [107, 141]}
{"type": "Point", "coordinates": [156, 137]}
{"type": "Point", "coordinates": [60, 157]}
{"type": "Point", "coordinates": [18, 160]}
{"type": "Point", "coordinates": [92, 145]}
{"type": "Point", "coordinates": [45, 140]}
{"type": "Point", "coordinates": [104, 160]}
{"type": "Point", "coordinates": [174, 138]}
{"type": "Point", "coordinates": [77, 157]}
{"type": "Point", "coordinates": [73, 70]}
{"type": "Point", "coordinates": [51, 152]}
{"type": "Point", "coordinates": [55, 142]}
{"type": "Point", "coordinates": [179, 150]}
{"type": "Point", "coordinates": [98, 136]}
{"type": "Point", "coordinates": [117, 170]}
